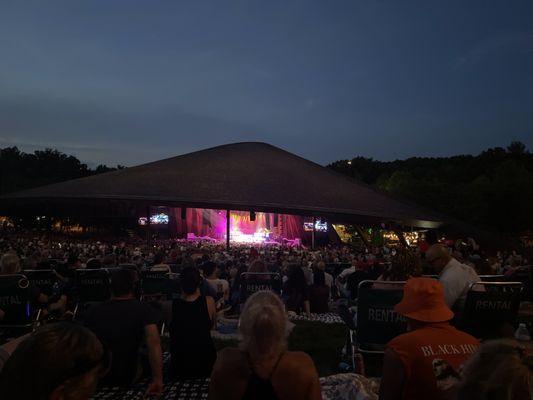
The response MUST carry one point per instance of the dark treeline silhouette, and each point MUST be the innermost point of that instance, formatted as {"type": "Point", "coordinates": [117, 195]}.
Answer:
{"type": "Point", "coordinates": [19, 170]}
{"type": "Point", "coordinates": [493, 190]}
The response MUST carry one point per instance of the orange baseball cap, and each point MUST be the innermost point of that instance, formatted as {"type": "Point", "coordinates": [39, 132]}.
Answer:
{"type": "Point", "coordinates": [423, 300]}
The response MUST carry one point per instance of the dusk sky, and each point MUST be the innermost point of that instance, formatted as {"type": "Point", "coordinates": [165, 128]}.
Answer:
{"type": "Point", "coordinates": [126, 82]}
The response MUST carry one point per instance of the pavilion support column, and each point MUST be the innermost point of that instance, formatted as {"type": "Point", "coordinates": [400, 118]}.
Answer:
{"type": "Point", "coordinates": [313, 232]}
{"type": "Point", "coordinates": [362, 236]}
{"type": "Point", "coordinates": [401, 238]}
{"type": "Point", "coordinates": [148, 233]}
{"type": "Point", "coordinates": [228, 222]}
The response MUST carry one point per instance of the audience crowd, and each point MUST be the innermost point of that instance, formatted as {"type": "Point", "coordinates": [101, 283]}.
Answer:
{"type": "Point", "coordinates": [118, 342]}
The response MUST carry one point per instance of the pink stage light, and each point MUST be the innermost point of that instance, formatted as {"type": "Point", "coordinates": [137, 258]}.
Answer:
{"type": "Point", "coordinates": [260, 236]}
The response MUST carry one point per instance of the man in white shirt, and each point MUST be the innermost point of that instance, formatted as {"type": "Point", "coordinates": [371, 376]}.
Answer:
{"type": "Point", "coordinates": [321, 266]}
{"type": "Point", "coordinates": [220, 286]}
{"type": "Point", "coordinates": [454, 276]}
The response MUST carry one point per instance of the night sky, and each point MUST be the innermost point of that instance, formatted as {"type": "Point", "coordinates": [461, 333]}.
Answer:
{"type": "Point", "coordinates": [129, 81]}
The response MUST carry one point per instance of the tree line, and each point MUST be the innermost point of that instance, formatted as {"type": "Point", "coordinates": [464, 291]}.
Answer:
{"type": "Point", "coordinates": [492, 190]}
{"type": "Point", "coordinates": [20, 170]}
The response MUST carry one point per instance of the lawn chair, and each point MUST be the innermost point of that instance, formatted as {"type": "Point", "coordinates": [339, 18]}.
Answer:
{"type": "Point", "coordinates": [15, 303]}
{"type": "Point", "coordinates": [488, 306]}
{"type": "Point", "coordinates": [252, 282]}
{"type": "Point", "coordinates": [492, 278]}
{"type": "Point", "coordinates": [45, 279]}
{"type": "Point", "coordinates": [93, 286]}
{"type": "Point", "coordinates": [377, 322]}
{"type": "Point", "coordinates": [159, 284]}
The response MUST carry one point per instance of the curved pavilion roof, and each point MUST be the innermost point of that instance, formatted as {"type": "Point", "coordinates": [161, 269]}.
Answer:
{"type": "Point", "coordinates": [239, 176]}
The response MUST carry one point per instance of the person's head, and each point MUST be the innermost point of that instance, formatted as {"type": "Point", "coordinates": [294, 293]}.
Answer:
{"type": "Point", "coordinates": [9, 264]}
{"type": "Point", "coordinates": [423, 302]}
{"type": "Point", "coordinates": [58, 361]}
{"type": "Point", "coordinates": [209, 268]}
{"type": "Point", "coordinates": [296, 277]}
{"type": "Point", "coordinates": [319, 278]}
{"type": "Point", "coordinates": [437, 256]}
{"type": "Point", "coordinates": [258, 266]}
{"type": "Point", "coordinates": [321, 266]}
{"type": "Point", "coordinates": [262, 325]}
{"type": "Point", "coordinates": [158, 258]}
{"type": "Point", "coordinates": [94, 263]}
{"type": "Point", "coordinates": [501, 370]}
{"type": "Point", "coordinates": [190, 280]}
{"type": "Point", "coordinates": [74, 261]}
{"type": "Point", "coordinates": [404, 265]}
{"type": "Point", "coordinates": [123, 282]}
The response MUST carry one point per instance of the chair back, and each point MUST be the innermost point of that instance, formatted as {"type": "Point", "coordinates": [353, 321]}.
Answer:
{"type": "Point", "coordinates": [377, 322]}
{"type": "Point", "coordinates": [93, 285]}
{"type": "Point", "coordinates": [492, 278]}
{"type": "Point", "coordinates": [488, 306]}
{"type": "Point", "coordinates": [15, 301]}
{"type": "Point", "coordinates": [45, 279]}
{"type": "Point", "coordinates": [160, 283]}
{"type": "Point", "coordinates": [353, 280]}
{"type": "Point", "coordinates": [252, 282]}
{"type": "Point", "coordinates": [335, 269]}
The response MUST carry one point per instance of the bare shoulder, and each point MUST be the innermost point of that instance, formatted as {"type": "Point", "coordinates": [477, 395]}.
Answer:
{"type": "Point", "coordinates": [299, 360]}
{"type": "Point", "coordinates": [230, 357]}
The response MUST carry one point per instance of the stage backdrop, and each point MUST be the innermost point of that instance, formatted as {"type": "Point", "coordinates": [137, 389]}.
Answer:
{"type": "Point", "coordinates": [212, 223]}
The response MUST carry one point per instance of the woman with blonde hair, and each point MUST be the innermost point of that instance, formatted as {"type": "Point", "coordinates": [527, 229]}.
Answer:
{"type": "Point", "coordinates": [262, 367]}
{"type": "Point", "coordinates": [500, 369]}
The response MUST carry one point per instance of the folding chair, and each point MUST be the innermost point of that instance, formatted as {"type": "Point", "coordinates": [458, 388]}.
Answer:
{"type": "Point", "coordinates": [353, 281]}
{"type": "Point", "coordinates": [377, 322]}
{"type": "Point", "coordinates": [252, 282]}
{"type": "Point", "coordinates": [163, 285]}
{"type": "Point", "coordinates": [93, 286]}
{"type": "Point", "coordinates": [45, 279]}
{"type": "Point", "coordinates": [492, 278]}
{"type": "Point", "coordinates": [488, 306]}
{"type": "Point", "coordinates": [15, 303]}
{"type": "Point", "coordinates": [158, 287]}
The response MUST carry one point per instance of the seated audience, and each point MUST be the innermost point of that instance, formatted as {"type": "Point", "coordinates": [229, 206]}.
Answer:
{"type": "Point", "coordinates": [319, 294]}
{"type": "Point", "coordinates": [454, 276]}
{"type": "Point", "coordinates": [10, 265]}
{"type": "Point", "coordinates": [262, 368]}
{"type": "Point", "coordinates": [220, 286]}
{"type": "Point", "coordinates": [404, 265]}
{"type": "Point", "coordinates": [258, 266]}
{"type": "Point", "coordinates": [193, 315]}
{"type": "Point", "coordinates": [430, 345]}
{"type": "Point", "coordinates": [499, 370]}
{"type": "Point", "coordinates": [122, 323]}
{"type": "Point", "coordinates": [57, 361]}
{"type": "Point", "coordinates": [159, 264]}
{"type": "Point", "coordinates": [296, 291]}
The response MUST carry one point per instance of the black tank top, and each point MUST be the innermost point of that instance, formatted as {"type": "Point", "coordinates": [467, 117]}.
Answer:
{"type": "Point", "coordinates": [192, 350]}
{"type": "Point", "coordinates": [259, 388]}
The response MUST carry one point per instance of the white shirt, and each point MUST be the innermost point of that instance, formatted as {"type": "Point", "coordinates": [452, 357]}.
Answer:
{"type": "Point", "coordinates": [221, 286]}
{"type": "Point", "coordinates": [346, 272]}
{"type": "Point", "coordinates": [328, 279]}
{"type": "Point", "coordinates": [456, 279]}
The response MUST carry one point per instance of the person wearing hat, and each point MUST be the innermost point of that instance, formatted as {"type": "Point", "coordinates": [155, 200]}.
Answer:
{"type": "Point", "coordinates": [413, 362]}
